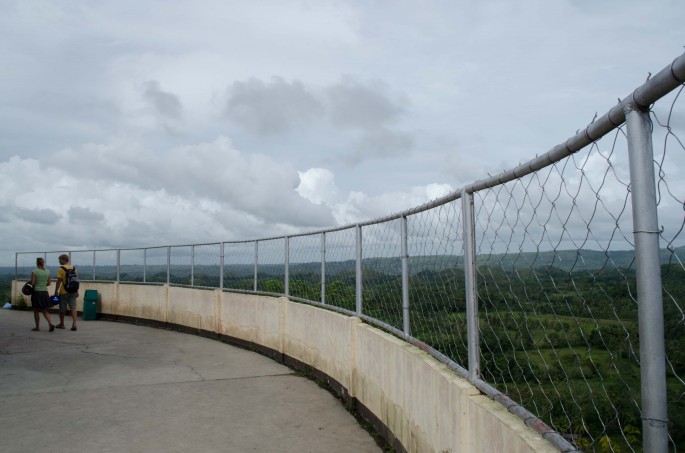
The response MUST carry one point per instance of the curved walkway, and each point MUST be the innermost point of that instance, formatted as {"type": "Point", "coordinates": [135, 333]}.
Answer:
{"type": "Point", "coordinates": [124, 388]}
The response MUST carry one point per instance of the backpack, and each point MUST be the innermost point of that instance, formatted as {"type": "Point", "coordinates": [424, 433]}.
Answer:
{"type": "Point", "coordinates": [71, 282]}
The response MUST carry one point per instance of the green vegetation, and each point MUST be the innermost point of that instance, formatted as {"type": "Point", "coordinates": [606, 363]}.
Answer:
{"type": "Point", "coordinates": [563, 344]}
{"type": "Point", "coordinates": [561, 341]}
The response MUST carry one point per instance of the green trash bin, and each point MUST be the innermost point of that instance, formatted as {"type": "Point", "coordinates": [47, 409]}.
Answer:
{"type": "Point", "coordinates": [90, 305]}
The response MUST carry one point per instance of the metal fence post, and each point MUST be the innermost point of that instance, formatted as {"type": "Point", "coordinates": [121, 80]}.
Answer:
{"type": "Point", "coordinates": [221, 266]}
{"type": "Point", "coordinates": [118, 265]}
{"type": "Point", "coordinates": [192, 265]}
{"type": "Point", "coordinates": [168, 264]}
{"type": "Point", "coordinates": [16, 266]}
{"type": "Point", "coordinates": [405, 276]}
{"type": "Point", "coordinates": [286, 272]}
{"type": "Point", "coordinates": [144, 265]}
{"type": "Point", "coordinates": [323, 267]}
{"type": "Point", "coordinates": [256, 259]}
{"type": "Point", "coordinates": [358, 271]}
{"type": "Point", "coordinates": [93, 265]}
{"type": "Point", "coordinates": [649, 290]}
{"type": "Point", "coordinates": [472, 325]}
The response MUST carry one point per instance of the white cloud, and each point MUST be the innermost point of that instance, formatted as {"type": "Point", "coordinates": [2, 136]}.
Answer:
{"type": "Point", "coordinates": [318, 186]}
{"type": "Point", "coordinates": [129, 124]}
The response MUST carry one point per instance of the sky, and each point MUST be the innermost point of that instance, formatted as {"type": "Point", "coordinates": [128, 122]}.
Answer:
{"type": "Point", "coordinates": [143, 123]}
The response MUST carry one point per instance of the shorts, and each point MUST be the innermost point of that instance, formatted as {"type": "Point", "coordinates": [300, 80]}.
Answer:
{"type": "Point", "coordinates": [67, 299]}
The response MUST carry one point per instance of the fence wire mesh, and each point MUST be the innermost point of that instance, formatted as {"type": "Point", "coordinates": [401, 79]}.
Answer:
{"type": "Point", "coordinates": [382, 272]}
{"type": "Point", "coordinates": [271, 266]}
{"type": "Point", "coordinates": [555, 277]}
{"type": "Point", "coordinates": [157, 264]}
{"type": "Point", "coordinates": [436, 280]}
{"type": "Point", "coordinates": [668, 121]}
{"type": "Point", "coordinates": [239, 266]}
{"type": "Point", "coordinates": [305, 267]}
{"type": "Point", "coordinates": [105, 265]}
{"type": "Point", "coordinates": [206, 265]}
{"type": "Point", "coordinates": [86, 266]}
{"type": "Point", "coordinates": [132, 265]}
{"type": "Point", "coordinates": [181, 270]}
{"type": "Point", "coordinates": [340, 268]}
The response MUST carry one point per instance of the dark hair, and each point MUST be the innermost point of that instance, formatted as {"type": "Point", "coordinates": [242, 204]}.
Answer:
{"type": "Point", "coordinates": [40, 262]}
{"type": "Point", "coordinates": [64, 258]}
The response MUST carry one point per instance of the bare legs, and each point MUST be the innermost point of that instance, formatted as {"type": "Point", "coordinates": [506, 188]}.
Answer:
{"type": "Point", "coordinates": [73, 319]}
{"type": "Point", "coordinates": [36, 318]}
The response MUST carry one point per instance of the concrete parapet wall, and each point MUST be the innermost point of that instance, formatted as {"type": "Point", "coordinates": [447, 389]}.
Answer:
{"type": "Point", "coordinates": [253, 319]}
{"type": "Point", "coordinates": [422, 405]}
{"type": "Point", "coordinates": [140, 301]}
{"type": "Point", "coordinates": [322, 342]}
{"type": "Point", "coordinates": [195, 308]}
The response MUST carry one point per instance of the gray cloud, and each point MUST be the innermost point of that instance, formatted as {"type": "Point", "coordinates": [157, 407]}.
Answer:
{"type": "Point", "coordinates": [362, 106]}
{"type": "Point", "coordinates": [165, 103]}
{"type": "Point", "coordinates": [369, 110]}
{"type": "Point", "coordinates": [88, 95]}
{"type": "Point", "coordinates": [40, 216]}
{"type": "Point", "coordinates": [253, 183]}
{"type": "Point", "coordinates": [84, 215]}
{"type": "Point", "coordinates": [270, 108]}
{"type": "Point", "coordinates": [384, 142]}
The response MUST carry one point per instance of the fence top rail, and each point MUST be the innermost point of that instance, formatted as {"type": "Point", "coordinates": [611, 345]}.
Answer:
{"type": "Point", "coordinates": [642, 97]}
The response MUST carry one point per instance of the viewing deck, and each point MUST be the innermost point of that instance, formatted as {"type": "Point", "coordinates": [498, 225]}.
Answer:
{"type": "Point", "coordinates": [119, 387]}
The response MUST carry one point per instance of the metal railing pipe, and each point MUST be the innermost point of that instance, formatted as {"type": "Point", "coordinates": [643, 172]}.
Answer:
{"type": "Point", "coordinates": [472, 324]}
{"type": "Point", "coordinates": [323, 267]}
{"type": "Point", "coordinates": [286, 271]}
{"type": "Point", "coordinates": [192, 265]}
{"type": "Point", "coordinates": [256, 260]}
{"type": "Point", "coordinates": [405, 277]}
{"type": "Point", "coordinates": [221, 266]}
{"type": "Point", "coordinates": [358, 271]}
{"type": "Point", "coordinates": [649, 92]}
{"type": "Point", "coordinates": [648, 275]}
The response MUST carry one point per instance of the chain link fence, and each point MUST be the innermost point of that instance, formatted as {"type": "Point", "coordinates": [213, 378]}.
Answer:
{"type": "Point", "coordinates": [556, 302]}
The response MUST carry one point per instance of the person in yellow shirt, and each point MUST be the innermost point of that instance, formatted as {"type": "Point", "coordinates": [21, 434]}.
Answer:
{"type": "Point", "coordinates": [65, 299]}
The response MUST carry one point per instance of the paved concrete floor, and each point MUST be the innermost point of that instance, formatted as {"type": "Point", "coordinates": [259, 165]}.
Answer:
{"type": "Point", "coordinates": [113, 387]}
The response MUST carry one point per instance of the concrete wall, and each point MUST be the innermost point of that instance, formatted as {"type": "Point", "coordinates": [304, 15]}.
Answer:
{"type": "Point", "coordinates": [423, 405]}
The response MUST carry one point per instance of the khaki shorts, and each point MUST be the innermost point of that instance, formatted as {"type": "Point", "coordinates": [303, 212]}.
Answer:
{"type": "Point", "coordinates": [67, 299]}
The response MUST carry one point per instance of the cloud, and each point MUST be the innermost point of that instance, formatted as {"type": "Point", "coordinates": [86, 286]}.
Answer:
{"type": "Point", "coordinates": [139, 125]}
{"type": "Point", "coordinates": [318, 186]}
{"type": "Point", "coordinates": [381, 142]}
{"type": "Point", "coordinates": [85, 216]}
{"type": "Point", "coordinates": [364, 114]}
{"type": "Point", "coordinates": [271, 108]}
{"type": "Point", "coordinates": [363, 106]}
{"type": "Point", "coordinates": [213, 171]}
{"type": "Point", "coordinates": [359, 206]}
{"type": "Point", "coordinates": [40, 216]}
{"type": "Point", "coordinates": [166, 104]}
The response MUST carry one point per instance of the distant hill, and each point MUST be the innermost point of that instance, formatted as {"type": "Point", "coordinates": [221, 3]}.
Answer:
{"type": "Point", "coordinates": [565, 260]}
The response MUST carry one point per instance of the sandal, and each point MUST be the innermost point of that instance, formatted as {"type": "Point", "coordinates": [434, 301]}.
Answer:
{"type": "Point", "coordinates": [52, 327]}
{"type": "Point", "coordinates": [35, 329]}
{"type": "Point", "coordinates": [60, 326]}
{"type": "Point", "coordinates": [73, 327]}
